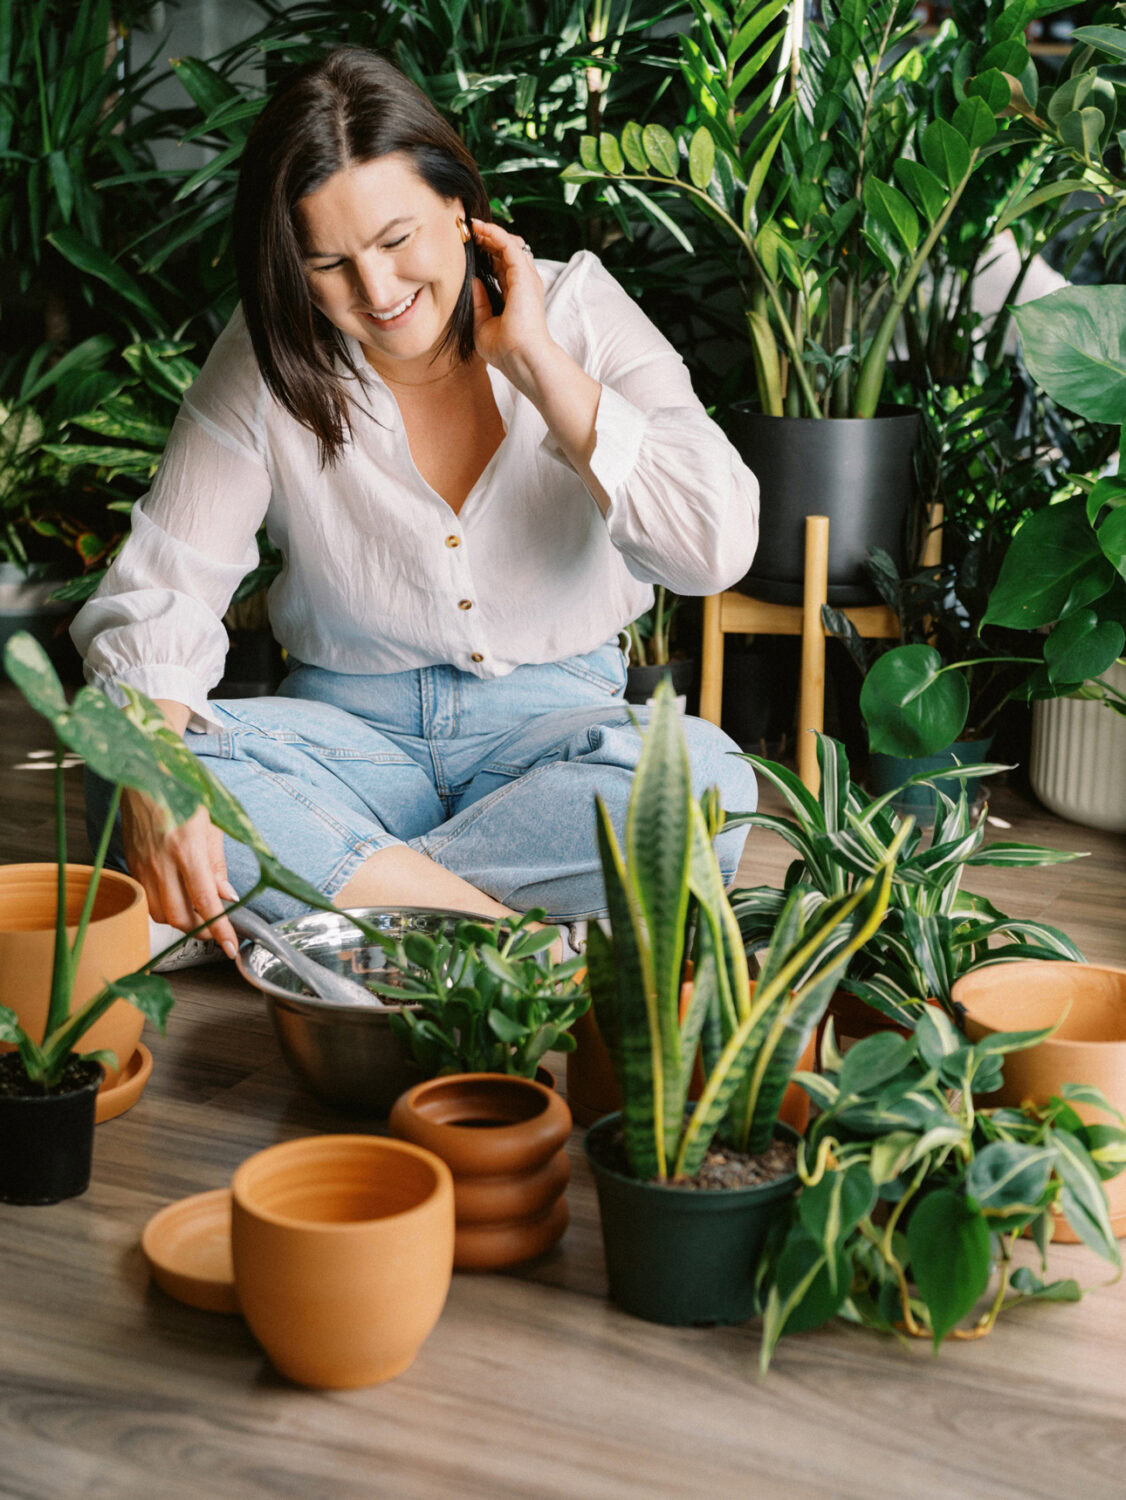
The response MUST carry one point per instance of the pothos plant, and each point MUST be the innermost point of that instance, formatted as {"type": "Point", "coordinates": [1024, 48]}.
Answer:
{"type": "Point", "coordinates": [911, 1192]}
{"type": "Point", "coordinates": [128, 747]}
{"type": "Point", "coordinates": [934, 931]}
{"type": "Point", "coordinates": [830, 157]}
{"type": "Point", "coordinates": [667, 905]}
{"type": "Point", "coordinates": [489, 998]}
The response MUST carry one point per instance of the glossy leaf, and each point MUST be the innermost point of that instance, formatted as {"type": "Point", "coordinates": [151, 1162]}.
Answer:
{"type": "Point", "coordinates": [1082, 1198]}
{"type": "Point", "coordinates": [911, 706]}
{"type": "Point", "coordinates": [1080, 646]}
{"type": "Point", "coordinates": [1007, 1178]}
{"type": "Point", "coordinates": [1075, 347]}
{"type": "Point", "coordinates": [872, 1061]}
{"type": "Point", "coordinates": [701, 157]}
{"type": "Point", "coordinates": [945, 152]}
{"type": "Point", "coordinates": [1046, 565]}
{"type": "Point", "coordinates": [948, 1245]}
{"type": "Point", "coordinates": [660, 148]}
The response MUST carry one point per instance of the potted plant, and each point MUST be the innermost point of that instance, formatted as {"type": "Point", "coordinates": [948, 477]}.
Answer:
{"type": "Point", "coordinates": [667, 1201]}
{"type": "Point", "coordinates": [650, 657]}
{"type": "Point", "coordinates": [911, 1193]}
{"type": "Point", "coordinates": [934, 931]}
{"type": "Point", "coordinates": [1064, 572]}
{"type": "Point", "coordinates": [486, 998]}
{"type": "Point", "coordinates": [830, 161]}
{"type": "Point", "coordinates": [128, 747]}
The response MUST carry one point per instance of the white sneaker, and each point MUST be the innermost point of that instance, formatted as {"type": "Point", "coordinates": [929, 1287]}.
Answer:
{"type": "Point", "coordinates": [189, 955]}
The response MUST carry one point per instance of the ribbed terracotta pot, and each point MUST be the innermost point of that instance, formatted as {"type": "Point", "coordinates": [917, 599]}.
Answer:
{"type": "Point", "coordinates": [1089, 1046]}
{"type": "Point", "coordinates": [116, 943]}
{"type": "Point", "coordinates": [502, 1138]}
{"type": "Point", "coordinates": [343, 1252]}
{"type": "Point", "coordinates": [592, 1090]}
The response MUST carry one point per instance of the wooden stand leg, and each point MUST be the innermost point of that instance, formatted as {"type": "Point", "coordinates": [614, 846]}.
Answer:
{"type": "Point", "coordinates": [811, 705]}
{"type": "Point", "coordinates": [711, 662]}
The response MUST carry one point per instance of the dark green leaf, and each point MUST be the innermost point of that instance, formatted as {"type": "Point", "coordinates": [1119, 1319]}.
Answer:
{"type": "Point", "coordinates": [948, 1245]}
{"type": "Point", "coordinates": [1075, 346]}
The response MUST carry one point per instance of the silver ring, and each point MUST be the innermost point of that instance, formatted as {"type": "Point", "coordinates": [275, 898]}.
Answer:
{"type": "Point", "coordinates": [527, 249]}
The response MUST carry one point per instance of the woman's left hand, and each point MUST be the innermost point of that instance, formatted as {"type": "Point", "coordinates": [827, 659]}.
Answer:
{"type": "Point", "coordinates": [513, 339]}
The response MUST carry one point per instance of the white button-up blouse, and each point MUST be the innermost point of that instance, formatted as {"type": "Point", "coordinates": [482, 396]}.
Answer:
{"type": "Point", "coordinates": [378, 570]}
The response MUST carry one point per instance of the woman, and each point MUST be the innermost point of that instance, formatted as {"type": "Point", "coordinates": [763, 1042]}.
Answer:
{"type": "Point", "coordinates": [475, 467]}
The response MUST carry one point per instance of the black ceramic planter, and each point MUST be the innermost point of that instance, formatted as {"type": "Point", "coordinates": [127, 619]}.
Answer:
{"type": "Point", "coordinates": [641, 682]}
{"type": "Point", "coordinates": [858, 471]}
{"type": "Point", "coordinates": [47, 1140]}
{"type": "Point", "coordinates": [681, 1257]}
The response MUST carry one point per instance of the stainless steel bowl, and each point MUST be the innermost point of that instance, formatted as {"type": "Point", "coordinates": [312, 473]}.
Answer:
{"type": "Point", "coordinates": [348, 1057]}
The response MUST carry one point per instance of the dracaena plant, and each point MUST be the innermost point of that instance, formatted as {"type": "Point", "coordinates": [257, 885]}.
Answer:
{"type": "Point", "coordinates": [831, 157]}
{"type": "Point", "coordinates": [911, 1193]}
{"type": "Point", "coordinates": [489, 997]}
{"type": "Point", "coordinates": [666, 905]}
{"type": "Point", "coordinates": [128, 747]}
{"type": "Point", "coordinates": [934, 931]}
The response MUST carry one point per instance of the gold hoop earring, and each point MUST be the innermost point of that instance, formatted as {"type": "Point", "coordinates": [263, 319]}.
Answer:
{"type": "Point", "coordinates": [464, 230]}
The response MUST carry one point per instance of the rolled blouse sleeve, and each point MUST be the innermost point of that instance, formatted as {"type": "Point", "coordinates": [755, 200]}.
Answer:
{"type": "Point", "coordinates": [156, 621]}
{"type": "Point", "coordinates": [684, 506]}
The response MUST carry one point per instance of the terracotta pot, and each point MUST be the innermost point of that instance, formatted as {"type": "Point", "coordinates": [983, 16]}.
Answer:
{"type": "Point", "coordinates": [116, 943]}
{"type": "Point", "coordinates": [502, 1138]}
{"type": "Point", "coordinates": [343, 1251]}
{"type": "Point", "coordinates": [1089, 1046]}
{"type": "Point", "coordinates": [592, 1090]}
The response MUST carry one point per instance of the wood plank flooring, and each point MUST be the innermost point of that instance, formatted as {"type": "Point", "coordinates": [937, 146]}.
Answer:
{"type": "Point", "coordinates": [532, 1384]}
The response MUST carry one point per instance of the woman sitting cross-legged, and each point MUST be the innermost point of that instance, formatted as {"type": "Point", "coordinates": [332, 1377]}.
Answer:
{"type": "Point", "coordinates": [475, 465]}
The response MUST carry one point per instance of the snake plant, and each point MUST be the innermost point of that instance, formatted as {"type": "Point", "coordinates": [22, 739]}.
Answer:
{"type": "Point", "coordinates": [667, 905]}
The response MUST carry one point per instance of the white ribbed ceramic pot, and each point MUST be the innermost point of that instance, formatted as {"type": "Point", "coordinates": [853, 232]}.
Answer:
{"type": "Point", "coordinates": [1078, 761]}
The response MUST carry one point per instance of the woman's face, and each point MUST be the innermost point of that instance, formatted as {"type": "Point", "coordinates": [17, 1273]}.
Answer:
{"type": "Point", "coordinates": [384, 259]}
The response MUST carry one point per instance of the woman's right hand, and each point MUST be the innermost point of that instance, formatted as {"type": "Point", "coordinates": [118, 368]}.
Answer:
{"type": "Point", "coordinates": [183, 869]}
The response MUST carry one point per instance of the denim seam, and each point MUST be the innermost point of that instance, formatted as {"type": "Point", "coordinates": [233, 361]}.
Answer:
{"type": "Point", "coordinates": [485, 805]}
{"type": "Point", "coordinates": [353, 838]}
{"type": "Point", "coordinates": [595, 678]}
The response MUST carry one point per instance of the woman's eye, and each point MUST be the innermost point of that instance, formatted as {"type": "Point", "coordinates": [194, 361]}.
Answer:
{"type": "Point", "coordinates": [335, 266]}
{"type": "Point", "coordinates": [394, 244]}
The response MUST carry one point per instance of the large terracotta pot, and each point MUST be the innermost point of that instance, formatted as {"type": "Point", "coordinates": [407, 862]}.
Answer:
{"type": "Point", "coordinates": [592, 1090]}
{"type": "Point", "coordinates": [1089, 1046]}
{"type": "Point", "coordinates": [502, 1138]}
{"type": "Point", "coordinates": [116, 943]}
{"type": "Point", "coordinates": [343, 1252]}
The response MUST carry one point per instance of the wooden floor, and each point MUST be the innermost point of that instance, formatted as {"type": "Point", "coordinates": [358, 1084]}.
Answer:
{"type": "Point", "coordinates": [532, 1384]}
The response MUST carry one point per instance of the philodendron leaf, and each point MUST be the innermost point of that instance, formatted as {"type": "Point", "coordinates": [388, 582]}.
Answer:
{"type": "Point", "coordinates": [911, 706]}
{"type": "Point", "coordinates": [1106, 1146]}
{"type": "Point", "coordinates": [1007, 1178]}
{"type": "Point", "coordinates": [1027, 1284]}
{"type": "Point", "coordinates": [29, 667]}
{"type": "Point", "coordinates": [1075, 346]}
{"type": "Point", "coordinates": [873, 1061]}
{"type": "Point", "coordinates": [1080, 646]}
{"type": "Point", "coordinates": [1082, 1198]}
{"type": "Point", "coordinates": [948, 1245]}
{"type": "Point", "coordinates": [1054, 557]}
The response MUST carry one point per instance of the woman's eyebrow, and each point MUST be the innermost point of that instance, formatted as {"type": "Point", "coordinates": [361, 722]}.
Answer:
{"type": "Point", "coordinates": [337, 255]}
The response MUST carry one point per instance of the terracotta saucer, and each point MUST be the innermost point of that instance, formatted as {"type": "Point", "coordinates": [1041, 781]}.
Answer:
{"type": "Point", "coordinates": [188, 1248]}
{"type": "Point", "coordinates": [127, 1090]}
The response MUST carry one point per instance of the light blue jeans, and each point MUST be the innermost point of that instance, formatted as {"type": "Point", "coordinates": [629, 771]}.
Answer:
{"type": "Point", "coordinates": [495, 780]}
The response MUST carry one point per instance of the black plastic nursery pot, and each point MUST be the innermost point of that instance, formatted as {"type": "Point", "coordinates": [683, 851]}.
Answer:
{"type": "Point", "coordinates": [858, 471]}
{"type": "Point", "coordinates": [678, 1256]}
{"type": "Point", "coordinates": [46, 1140]}
{"type": "Point", "coordinates": [921, 800]}
{"type": "Point", "coordinates": [641, 682]}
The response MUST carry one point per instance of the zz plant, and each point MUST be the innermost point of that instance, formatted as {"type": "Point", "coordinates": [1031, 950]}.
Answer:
{"type": "Point", "coordinates": [831, 158]}
{"type": "Point", "coordinates": [911, 1192]}
{"type": "Point", "coordinates": [128, 747]}
{"type": "Point", "coordinates": [934, 931]}
{"type": "Point", "coordinates": [666, 906]}
{"type": "Point", "coordinates": [489, 998]}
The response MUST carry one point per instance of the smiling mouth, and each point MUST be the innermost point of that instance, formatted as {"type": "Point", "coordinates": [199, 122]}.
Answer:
{"type": "Point", "coordinates": [395, 313]}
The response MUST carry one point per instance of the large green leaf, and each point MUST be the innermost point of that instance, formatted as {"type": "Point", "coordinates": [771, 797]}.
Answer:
{"type": "Point", "coordinates": [1108, 39]}
{"type": "Point", "coordinates": [1007, 1178]}
{"type": "Point", "coordinates": [1054, 560]}
{"type": "Point", "coordinates": [945, 152]}
{"type": "Point", "coordinates": [1075, 346]}
{"type": "Point", "coordinates": [911, 705]}
{"type": "Point", "coordinates": [30, 668]}
{"type": "Point", "coordinates": [890, 208]}
{"type": "Point", "coordinates": [1081, 647]}
{"type": "Point", "coordinates": [948, 1244]}
{"type": "Point", "coordinates": [94, 261]}
{"type": "Point", "coordinates": [1082, 1197]}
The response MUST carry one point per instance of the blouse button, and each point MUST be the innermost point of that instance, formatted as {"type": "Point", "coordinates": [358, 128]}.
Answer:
{"type": "Point", "coordinates": [465, 604]}
{"type": "Point", "coordinates": [453, 541]}
{"type": "Point", "coordinates": [476, 656]}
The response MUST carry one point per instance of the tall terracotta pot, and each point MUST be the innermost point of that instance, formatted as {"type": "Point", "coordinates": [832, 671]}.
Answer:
{"type": "Point", "coordinates": [343, 1252]}
{"type": "Point", "coordinates": [502, 1138]}
{"type": "Point", "coordinates": [116, 943]}
{"type": "Point", "coordinates": [1089, 1046]}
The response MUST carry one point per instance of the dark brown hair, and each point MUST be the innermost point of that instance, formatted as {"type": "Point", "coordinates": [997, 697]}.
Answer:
{"type": "Point", "coordinates": [349, 108]}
